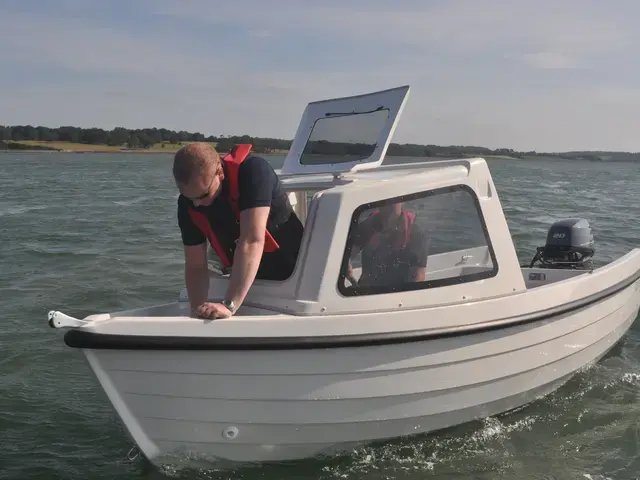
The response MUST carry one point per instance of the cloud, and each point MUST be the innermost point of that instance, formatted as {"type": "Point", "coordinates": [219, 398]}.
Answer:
{"type": "Point", "coordinates": [543, 75]}
{"type": "Point", "coordinates": [572, 27]}
{"type": "Point", "coordinates": [73, 45]}
{"type": "Point", "coordinates": [549, 60]}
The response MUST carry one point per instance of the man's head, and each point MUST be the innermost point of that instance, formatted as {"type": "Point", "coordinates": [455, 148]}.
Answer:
{"type": "Point", "coordinates": [197, 170]}
{"type": "Point", "coordinates": [390, 212]}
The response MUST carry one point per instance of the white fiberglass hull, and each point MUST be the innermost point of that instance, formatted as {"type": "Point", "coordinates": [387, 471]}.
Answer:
{"type": "Point", "coordinates": [290, 404]}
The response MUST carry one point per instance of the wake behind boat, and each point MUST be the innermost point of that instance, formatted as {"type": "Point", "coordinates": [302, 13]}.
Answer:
{"type": "Point", "coordinates": [337, 356]}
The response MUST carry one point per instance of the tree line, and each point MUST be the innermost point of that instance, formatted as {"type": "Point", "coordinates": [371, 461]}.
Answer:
{"type": "Point", "coordinates": [135, 138]}
{"type": "Point", "coordinates": [131, 138]}
{"type": "Point", "coordinates": [147, 137]}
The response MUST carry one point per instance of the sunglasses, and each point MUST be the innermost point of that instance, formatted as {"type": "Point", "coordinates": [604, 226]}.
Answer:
{"type": "Point", "coordinates": [205, 194]}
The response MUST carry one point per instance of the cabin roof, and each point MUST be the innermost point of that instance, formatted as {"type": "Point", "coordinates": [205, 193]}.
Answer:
{"type": "Point", "coordinates": [382, 173]}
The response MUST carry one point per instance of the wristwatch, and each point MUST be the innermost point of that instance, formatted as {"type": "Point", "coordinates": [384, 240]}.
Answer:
{"type": "Point", "coordinates": [229, 304]}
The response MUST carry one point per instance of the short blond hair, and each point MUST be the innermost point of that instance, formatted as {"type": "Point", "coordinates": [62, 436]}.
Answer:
{"type": "Point", "coordinates": [194, 159]}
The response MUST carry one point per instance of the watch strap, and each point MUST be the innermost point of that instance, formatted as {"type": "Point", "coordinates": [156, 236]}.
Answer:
{"type": "Point", "coordinates": [229, 304]}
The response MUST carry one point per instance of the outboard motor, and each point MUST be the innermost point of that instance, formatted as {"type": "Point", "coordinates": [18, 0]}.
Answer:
{"type": "Point", "coordinates": [569, 245]}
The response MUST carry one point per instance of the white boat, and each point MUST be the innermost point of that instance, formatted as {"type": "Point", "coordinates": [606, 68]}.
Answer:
{"type": "Point", "coordinates": [317, 364]}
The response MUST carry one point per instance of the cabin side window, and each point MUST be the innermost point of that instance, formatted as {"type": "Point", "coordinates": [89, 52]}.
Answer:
{"type": "Point", "coordinates": [418, 241]}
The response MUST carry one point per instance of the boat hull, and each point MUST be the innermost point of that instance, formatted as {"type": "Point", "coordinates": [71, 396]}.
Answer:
{"type": "Point", "coordinates": [247, 406]}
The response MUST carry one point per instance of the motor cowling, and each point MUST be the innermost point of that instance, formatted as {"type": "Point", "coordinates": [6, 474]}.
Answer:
{"type": "Point", "coordinates": [570, 244]}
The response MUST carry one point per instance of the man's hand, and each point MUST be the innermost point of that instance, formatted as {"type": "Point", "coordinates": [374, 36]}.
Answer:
{"type": "Point", "coordinates": [211, 311]}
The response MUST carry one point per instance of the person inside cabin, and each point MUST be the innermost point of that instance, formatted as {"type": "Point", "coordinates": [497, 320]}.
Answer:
{"type": "Point", "coordinates": [239, 206]}
{"type": "Point", "coordinates": [394, 248]}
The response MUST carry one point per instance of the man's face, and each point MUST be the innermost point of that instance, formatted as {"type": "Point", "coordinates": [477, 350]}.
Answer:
{"type": "Point", "coordinates": [390, 212]}
{"type": "Point", "coordinates": [202, 189]}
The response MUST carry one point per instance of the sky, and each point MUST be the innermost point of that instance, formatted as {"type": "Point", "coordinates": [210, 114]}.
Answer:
{"type": "Point", "coordinates": [547, 75]}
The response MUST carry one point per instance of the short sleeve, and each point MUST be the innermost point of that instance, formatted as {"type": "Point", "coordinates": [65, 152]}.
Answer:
{"type": "Point", "coordinates": [191, 234]}
{"type": "Point", "coordinates": [256, 183]}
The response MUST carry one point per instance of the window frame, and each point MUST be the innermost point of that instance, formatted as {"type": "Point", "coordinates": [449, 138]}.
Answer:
{"type": "Point", "coordinates": [357, 291]}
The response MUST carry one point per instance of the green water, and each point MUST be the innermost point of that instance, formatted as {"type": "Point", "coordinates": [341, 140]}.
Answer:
{"type": "Point", "coordinates": [95, 233]}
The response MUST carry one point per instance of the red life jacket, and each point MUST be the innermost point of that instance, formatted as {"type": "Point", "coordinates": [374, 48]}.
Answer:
{"type": "Point", "coordinates": [231, 163]}
{"type": "Point", "coordinates": [408, 219]}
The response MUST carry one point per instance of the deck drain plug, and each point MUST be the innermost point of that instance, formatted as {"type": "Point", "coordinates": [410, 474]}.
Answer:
{"type": "Point", "coordinates": [230, 433]}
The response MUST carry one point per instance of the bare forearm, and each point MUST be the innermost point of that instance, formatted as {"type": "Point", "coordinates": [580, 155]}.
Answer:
{"type": "Point", "coordinates": [197, 282]}
{"type": "Point", "coordinates": [246, 261]}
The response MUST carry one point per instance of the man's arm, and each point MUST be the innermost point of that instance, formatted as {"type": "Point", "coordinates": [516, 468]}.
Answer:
{"type": "Point", "coordinates": [248, 254]}
{"type": "Point", "coordinates": [196, 270]}
{"type": "Point", "coordinates": [196, 274]}
{"type": "Point", "coordinates": [256, 183]}
{"type": "Point", "coordinates": [418, 245]}
{"type": "Point", "coordinates": [362, 232]}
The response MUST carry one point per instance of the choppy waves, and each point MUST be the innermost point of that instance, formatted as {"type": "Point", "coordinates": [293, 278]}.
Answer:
{"type": "Point", "coordinates": [99, 233]}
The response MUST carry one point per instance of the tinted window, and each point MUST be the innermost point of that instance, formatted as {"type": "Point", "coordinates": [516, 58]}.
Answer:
{"type": "Point", "coordinates": [344, 137]}
{"type": "Point", "coordinates": [428, 240]}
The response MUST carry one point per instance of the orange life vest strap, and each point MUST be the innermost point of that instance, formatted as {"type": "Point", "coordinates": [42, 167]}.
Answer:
{"type": "Point", "coordinates": [231, 163]}
{"type": "Point", "coordinates": [202, 222]}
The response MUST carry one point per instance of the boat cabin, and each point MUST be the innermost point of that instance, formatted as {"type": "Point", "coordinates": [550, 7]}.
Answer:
{"type": "Point", "coordinates": [382, 237]}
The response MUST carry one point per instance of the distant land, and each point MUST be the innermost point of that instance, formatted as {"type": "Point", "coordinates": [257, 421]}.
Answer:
{"type": "Point", "coordinates": [162, 140]}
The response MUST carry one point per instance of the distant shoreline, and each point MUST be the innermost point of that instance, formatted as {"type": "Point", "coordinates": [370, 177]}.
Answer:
{"type": "Point", "coordinates": [38, 146]}
{"type": "Point", "coordinates": [160, 152]}
{"type": "Point", "coordinates": [111, 152]}
{"type": "Point", "coordinates": [108, 152]}
{"type": "Point", "coordinates": [433, 153]}
{"type": "Point", "coordinates": [157, 141]}
{"type": "Point", "coordinates": [76, 147]}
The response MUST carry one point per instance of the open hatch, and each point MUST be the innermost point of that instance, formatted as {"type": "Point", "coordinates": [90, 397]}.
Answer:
{"type": "Point", "coordinates": [336, 136]}
{"type": "Point", "coordinates": [345, 134]}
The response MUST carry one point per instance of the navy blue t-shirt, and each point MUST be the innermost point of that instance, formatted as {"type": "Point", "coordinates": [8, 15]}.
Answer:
{"type": "Point", "coordinates": [259, 186]}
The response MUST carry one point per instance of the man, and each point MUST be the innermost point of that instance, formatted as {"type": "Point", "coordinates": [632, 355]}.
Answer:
{"type": "Point", "coordinates": [238, 204]}
{"type": "Point", "coordinates": [394, 248]}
